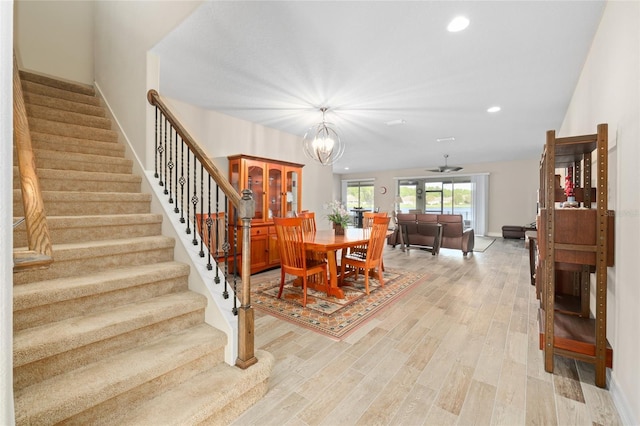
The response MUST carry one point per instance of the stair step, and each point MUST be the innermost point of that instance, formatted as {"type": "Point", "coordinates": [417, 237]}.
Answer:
{"type": "Point", "coordinates": [81, 162]}
{"type": "Point", "coordinates": [75, 229]}
{"type": "Point", "coordinates": [70, 86]}
{"type": "Point", "coordinates": [74, 145]}
{"type": "Point", "coordinates": [51, 339]}
{"type": "Point", "coordinates": [63, 105]}
{"type": "Point", "coordinates": [68, 117]}
{"type": "Point", "coordinates": [82, 181]}
{"type": "Point", "coordinates": [71, 130]}
{"type": "Point", "coordinates": [40, 302]}
{"type": "Point", "coordinates": [140, 371]}
{"type": "Point", "coordinates": [70, 203]}
{"type": "Point", "coordinates": [96, 256]}
{"type": "Point", "coordinates": [53, 92]}
{"type": "Point", "coordinates": [195, 401]}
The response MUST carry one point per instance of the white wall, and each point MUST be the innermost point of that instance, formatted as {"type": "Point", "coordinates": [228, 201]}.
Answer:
{"type": "Point", "coordinates": [56, 38]}
{"type": "Point", "coordinates": [222, 135]}
{"type": "Point", "coordinates": [609, 92]}
{"type": "Point", "coordinates": [6, 214]}
{"type": "Point", "coordinates": [124, 31]}
{"type": "Point", "coordinates": [512, 189]}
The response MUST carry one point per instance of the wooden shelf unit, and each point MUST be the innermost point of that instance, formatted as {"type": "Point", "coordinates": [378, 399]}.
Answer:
{"type": "Point", "coordinates": [578, 241]}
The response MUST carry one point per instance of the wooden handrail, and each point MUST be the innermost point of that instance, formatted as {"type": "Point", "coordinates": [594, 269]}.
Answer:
{"type": "Point", "coordinates": [245, 207]}
{"type": "Point", "coordinates": [39, 253]}
{"type": "Point", "coordinates": [154, 99]}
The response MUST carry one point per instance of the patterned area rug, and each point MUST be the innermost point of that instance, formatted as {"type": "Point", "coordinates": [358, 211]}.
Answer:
{"type": "Point", "coordinates": [328, 315]}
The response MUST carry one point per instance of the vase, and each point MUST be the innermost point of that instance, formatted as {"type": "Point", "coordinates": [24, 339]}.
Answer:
{"type": "Point", "coordinates": [571, 202]}
{"type": "Point", "coordinates": [339, 230]}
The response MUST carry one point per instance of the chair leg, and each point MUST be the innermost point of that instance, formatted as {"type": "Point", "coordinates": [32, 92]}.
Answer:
{"type": "Point", "coordinates": [366, 281]}
{"type": "Point", "coordinates": [281, 283]}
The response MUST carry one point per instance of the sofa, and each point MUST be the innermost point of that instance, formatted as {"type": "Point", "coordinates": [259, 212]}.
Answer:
{"type": "Point", "coordinates": [420, 231]}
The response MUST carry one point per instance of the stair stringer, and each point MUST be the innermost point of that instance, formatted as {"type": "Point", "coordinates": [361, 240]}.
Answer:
{"type": "Point", "coordinates": [218, 312]}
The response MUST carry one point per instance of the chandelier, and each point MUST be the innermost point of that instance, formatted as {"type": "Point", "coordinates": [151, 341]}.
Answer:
{"type": "Point", "coordinates": [322, 143]}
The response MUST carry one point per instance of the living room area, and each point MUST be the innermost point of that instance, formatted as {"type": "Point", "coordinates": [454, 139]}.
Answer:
{"type": "Point", "coordinates": [465, 345]}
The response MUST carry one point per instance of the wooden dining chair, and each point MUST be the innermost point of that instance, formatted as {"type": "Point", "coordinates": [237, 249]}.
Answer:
{"type": "Point", "coordinates": [309, 220]}
{"type": "Point", "coordinates": [367, 222]}
{"type": "Point", "coordinates": [372, 259]}
{"type": "Point", "coordinates": [293, 256]}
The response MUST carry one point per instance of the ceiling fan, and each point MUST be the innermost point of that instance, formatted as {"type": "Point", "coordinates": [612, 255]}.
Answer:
{"type": "Point", "coordinates": [446, 168]}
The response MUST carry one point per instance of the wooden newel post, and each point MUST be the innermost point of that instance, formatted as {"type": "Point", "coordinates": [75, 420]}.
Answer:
{"type": "Point", "coordinates": [246, 356]}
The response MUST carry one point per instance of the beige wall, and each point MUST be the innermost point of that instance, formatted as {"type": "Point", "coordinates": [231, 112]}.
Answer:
{"type": "Point", "coordinates": [222, 135]}
{"type": "Point", "coordinates": [56, 38]}
{"type": "Point", "coordinates": [512, 189]}
{"type": "Point", "coordinates": [609, 92]}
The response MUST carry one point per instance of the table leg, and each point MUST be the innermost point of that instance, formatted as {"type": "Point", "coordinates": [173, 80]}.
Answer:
{"type": "Point", "coordinates": [333, 289]}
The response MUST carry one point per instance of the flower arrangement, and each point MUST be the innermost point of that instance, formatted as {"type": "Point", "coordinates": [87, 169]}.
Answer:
{"type": "Point", "coordinates": [339, 214]}
{"type": "Point", "coordinates": [568, 183]}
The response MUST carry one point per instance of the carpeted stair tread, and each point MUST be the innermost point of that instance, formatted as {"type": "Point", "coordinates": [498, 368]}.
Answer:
{"type": "Point", "coordinates": [63, 396]}
{"type": "Point", "coordinates": [46, 141]}
{"type": "Point", "coordinates": [69, 86]}
{"type": "Point", "coordinates": [53, 92]}
{"type": "Point", "coordinates": [62, 289]}
{"type": "Point", "coordinates": [50, 339]}
{"type": "Point", "coordinates": [95, 256]}
{"type": "Point", "coordinates": [82, 181]}
{"type": "Point", "coordinates": [194, 401]}
{"type": "Point", "coordinates": [63, 105]}
{"type": "Point", "coordinates": [46, 159]}
{"type": "Point", "coordinates": [72, 130]}
{"type": "Point", "coordinates": [73, 203]}
{"type": "Point", "coordinates": [72, 229]}
{"type": "Point", "coordinates": [67, 117]}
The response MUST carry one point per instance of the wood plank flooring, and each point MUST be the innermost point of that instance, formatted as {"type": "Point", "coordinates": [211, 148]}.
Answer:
{"type": "Point", "coordinates": [460, 349]}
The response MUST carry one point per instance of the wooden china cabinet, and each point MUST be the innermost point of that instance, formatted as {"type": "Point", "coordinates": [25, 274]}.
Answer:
{"type": "Point", "coordinates": [277, 191]}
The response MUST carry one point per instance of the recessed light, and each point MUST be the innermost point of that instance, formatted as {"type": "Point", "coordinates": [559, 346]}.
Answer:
{"type": "Point", "coordinates": [449, 139]}
{"type": "Point", "coordinates": [494, 109]}
{"type": "Point", "coordinates": [458, 23]}
{"type": "Point", "coordinates": [346, 168]}
{"type": "Point", "coordinates": [395, 122]}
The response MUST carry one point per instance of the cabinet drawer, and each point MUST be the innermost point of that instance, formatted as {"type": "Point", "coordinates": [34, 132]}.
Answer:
{"type": "Point", "coordinates": [259, 230]}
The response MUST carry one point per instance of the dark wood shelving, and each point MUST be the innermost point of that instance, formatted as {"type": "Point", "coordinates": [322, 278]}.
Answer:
{"type": "Point", "coordinates": [574, 243]}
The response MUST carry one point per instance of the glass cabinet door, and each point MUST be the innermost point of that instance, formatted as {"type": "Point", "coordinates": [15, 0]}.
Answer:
{"type": "Point", "coordinates": [275, 191]}
{"type": "Point", "coordinates": [291, 194]}
{"type": "Point", "coordinates": [255, 182]}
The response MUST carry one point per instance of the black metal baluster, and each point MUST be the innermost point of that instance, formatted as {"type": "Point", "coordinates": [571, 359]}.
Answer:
{"type": "Point", "coordinates": [155, 161]}
{"type": "Point", "coordinates": [217, 278]}
{"type": "Point", "coordinates": [235, 262]}
{"type": "Point", "coordinates": [194, 201]}
{"type": "Point", "coordinates": [160, 150]}
{"type": "Point", "coordinates": [209, 221]}
{"type": "Point", "coordinates": [170, 166]}
{"type": "Point", "coordinates": [164, 150]}
{"type": "Point", "coordinates": [188, 191]}
{"type": "Point", "coordinates": [182, 181]}
{"type": "Point", "coordinates": [176, 209]}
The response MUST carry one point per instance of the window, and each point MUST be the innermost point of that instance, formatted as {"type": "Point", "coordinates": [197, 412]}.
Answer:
{"type": "Point", "coordinates": [360, 195]}
{"type": "Point", "coordinates": [465, 195]}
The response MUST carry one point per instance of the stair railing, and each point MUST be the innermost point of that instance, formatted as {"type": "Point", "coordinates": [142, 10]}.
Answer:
{"type": "Point", "coordinates": [39, 253]}
{"type": "Point", "coordinates": [192, 183]}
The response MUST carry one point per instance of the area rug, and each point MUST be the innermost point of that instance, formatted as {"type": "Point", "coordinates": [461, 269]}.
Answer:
{"type": "Point", "coordinates": [480, 244]}
{"type": "Point", "coordinates": [327, 315]}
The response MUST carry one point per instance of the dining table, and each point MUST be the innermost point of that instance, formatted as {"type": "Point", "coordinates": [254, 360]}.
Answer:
{"type": "Point", "coordinates": [326, 241]}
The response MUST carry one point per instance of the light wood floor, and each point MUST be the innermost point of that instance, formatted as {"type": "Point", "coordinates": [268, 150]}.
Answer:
{"type": "Point", "coordinates": [460, 349]}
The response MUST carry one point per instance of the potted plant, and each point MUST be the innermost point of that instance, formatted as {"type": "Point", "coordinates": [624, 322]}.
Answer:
{"type": "Point", "coordinates": [338, 216]}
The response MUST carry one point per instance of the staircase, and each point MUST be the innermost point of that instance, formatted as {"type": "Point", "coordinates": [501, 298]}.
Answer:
{"type": "Point", "coordinates": [110, 333]}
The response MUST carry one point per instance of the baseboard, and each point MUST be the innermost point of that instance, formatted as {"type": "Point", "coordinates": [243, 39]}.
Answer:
{"type": "Point", "coordinates": [621, 402]}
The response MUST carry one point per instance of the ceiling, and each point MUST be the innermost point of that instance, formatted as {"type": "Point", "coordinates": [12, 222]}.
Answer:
{"type": "Point", "coordinates": [277, 63]}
